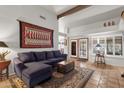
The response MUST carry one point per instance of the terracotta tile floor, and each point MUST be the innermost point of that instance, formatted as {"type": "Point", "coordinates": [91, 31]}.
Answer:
{"type": "Point", "coordinates": [104, 76]}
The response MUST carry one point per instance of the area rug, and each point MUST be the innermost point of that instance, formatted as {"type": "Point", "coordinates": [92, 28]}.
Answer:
{"type": "Point", "coordinates": [74, 79]}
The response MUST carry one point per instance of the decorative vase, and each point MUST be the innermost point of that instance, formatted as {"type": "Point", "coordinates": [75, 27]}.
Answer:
{"type": "Point", "coordinates": [3, 55]}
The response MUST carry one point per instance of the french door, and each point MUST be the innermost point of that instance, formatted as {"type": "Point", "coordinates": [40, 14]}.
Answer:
{"type": "Point", "coordinates": [73, 48]}
{"type": "Point", "coordinates": [83, 48]}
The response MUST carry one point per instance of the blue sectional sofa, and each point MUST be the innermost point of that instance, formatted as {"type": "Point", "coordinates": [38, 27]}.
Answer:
{"type": "Point", "coordinates": [35, 67]}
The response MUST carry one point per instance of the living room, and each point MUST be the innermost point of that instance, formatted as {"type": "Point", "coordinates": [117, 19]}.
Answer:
{"type": "Point", "coordinates": [68, 49]}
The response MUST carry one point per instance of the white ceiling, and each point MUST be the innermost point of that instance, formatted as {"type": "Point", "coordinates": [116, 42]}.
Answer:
{"type": "Point", "coordinates": [58, 9]}
{"type": "Point", "coordinates": [92, 14]}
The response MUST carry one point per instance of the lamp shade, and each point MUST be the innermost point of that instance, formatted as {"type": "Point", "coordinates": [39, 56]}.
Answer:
{"type": "Point", "coordinates": [98, 48]}
{"type": "Point", "coordinates": [2, 44]}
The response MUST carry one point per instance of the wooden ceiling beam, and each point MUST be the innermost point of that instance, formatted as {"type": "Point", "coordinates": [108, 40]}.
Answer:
{"type": "Point", "coordinates": [73, 10]}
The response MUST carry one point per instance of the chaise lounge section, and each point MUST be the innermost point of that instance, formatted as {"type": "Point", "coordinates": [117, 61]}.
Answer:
{"type": "Point", "coordinates": [35, 67]}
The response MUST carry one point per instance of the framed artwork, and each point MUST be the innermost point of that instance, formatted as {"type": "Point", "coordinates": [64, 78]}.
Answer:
{"type": "Point", "coordinates": [33, 36]}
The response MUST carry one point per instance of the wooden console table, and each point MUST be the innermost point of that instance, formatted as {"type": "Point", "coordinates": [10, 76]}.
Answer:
{"type": "Point", "coordinates": [4, 65]}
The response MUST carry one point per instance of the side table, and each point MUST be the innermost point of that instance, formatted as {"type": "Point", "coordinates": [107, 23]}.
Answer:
{"type": "Point", "coordinates": [4, 65]}
{"type": "Point", "coordinates": [99, 59]}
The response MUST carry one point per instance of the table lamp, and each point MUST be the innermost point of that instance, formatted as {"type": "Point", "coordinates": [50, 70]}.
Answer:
{"type": "Point", "coordinates": [5, 53]}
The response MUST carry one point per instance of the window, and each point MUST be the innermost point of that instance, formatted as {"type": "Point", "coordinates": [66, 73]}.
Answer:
{"type": "Point", "coordinates": [109, 46]}
{"type": "Point", "coordinates": [94, 44]}
{"type": "Point", "coordinates": [118, 45]}
{"type": "Point", "coordinates": [62, 35]}
{"type": "Point", "coordinates": [61, 43]}
{"type": "Point", "coordinates": [102, 43]}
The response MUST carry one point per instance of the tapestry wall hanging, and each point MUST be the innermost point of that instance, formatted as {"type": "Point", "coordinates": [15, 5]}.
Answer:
{"type": "Point", "coordinates": [33, 36]}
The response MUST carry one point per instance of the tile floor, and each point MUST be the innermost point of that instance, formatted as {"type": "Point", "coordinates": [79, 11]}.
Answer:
{"type": "Point", "coordinates": [104, 76]}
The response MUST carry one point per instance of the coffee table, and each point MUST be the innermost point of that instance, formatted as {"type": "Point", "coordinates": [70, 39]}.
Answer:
{"type": "Point", "coordinates": [65, 66]}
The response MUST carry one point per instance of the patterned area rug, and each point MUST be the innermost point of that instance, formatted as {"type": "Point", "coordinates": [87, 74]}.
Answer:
{"type": "Point", "coordinates": [74, 79]}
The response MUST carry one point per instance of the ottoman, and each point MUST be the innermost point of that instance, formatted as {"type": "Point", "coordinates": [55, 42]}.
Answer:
{"type": "Point", "coordinates": [36, 73]}
{"type": "Point", "coordinates": [65, 66]}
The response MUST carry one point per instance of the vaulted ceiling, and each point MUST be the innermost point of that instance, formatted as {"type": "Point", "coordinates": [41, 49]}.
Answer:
{"type": "Point", "coordinates": [89, 15]}
{"type": "Point", "coordinates": [58, 9]}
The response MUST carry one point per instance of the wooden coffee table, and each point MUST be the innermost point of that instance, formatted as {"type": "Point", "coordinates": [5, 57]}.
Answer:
{"type": "Point", "coordinates": [65, 66]}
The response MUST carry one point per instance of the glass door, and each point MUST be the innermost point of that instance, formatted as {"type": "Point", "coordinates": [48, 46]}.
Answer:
{"type": "Point", "coordinates": [83, 48]}
{"type": "Point", "coordinates": [109, 46]}
{"type": "Point", "coordinates": [118, 45]}
{"type": "Point", "coordinates": [73, 48]}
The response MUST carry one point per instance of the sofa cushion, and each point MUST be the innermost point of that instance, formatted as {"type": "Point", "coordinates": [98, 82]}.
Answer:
{"type": "Point", "coordinates": [49, 62]}
{"type": "Point", "coordinates": [40, 56]}
{"type": "Point", "coordinates": [57, 53]}
{"type": "Point", "coordinates": [28, 64]}
{"type": "Point", "coordinates": [60, 59]}
{"type": "Point", "coordinates": [49, 54]}
{"type": "Point", "coordinates": [26, 57]}
{"type": "Point", "coordinates": [44, 61]}
{"type": "Point", "coordinates": [52, 61]}
{"type": "Point", "coordinates": [37, 70]}
{"type": "Point", "coordinates": [56, 59]}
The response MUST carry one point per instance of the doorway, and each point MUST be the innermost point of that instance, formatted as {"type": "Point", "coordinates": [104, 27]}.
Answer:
{"type": "Point", "coordinates": [83, 48]}
{"type": "Point", "coordinates": [73, 48]}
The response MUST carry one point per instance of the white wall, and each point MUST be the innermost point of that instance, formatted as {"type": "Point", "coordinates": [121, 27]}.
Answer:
{"type": "Point", "coordinates": [121, 24]}
{"type": "Point", "coordinates": [63, 32]}
{"type": "Point", "coordinates": [9, 26]}
{"type": "Point", "coordinates": [97, 29]}
{"type": "Point", "coordinates": [89, 12]}
{"type": "Point", "coordinates": [61, 26]}
{"type": "Point", "coordinates": [94, 28]}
